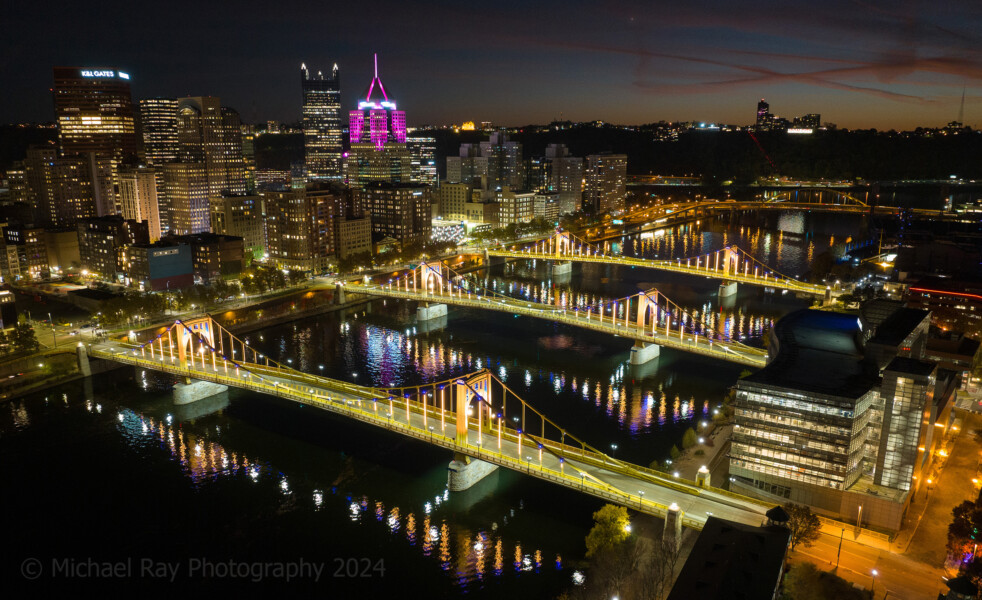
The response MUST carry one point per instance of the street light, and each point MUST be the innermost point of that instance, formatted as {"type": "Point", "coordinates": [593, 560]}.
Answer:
{"type": "Point", "coordinates": [613, 447]}
{"type": "Point", "coordinates": [872, 587]}
{"type": "Point", "coordinates": [641, 501]}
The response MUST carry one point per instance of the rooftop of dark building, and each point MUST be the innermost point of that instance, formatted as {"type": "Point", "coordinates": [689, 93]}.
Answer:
{"type": "Point", "coordinates": [911, 366]}
{"type": "Point", "coordinates": [819, 352]}
{"type": "Point", "coordinates": [733, 561]}
{"type": "Point", "coordinates": [898, 326]}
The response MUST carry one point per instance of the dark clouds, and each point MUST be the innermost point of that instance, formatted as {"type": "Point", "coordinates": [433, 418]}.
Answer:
{"type": "Point", "coordinates": [859, 63]}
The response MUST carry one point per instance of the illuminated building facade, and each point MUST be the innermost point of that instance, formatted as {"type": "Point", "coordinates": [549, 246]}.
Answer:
{"type": "Point", "coordinates": [60, 189]}
{"type": "Point", "coordinates": [514, 206]}
{"type": "Point", "coordinates": [101, 241]}
{"type": "Point", "coordinates": [211, 134]}
{"type": "Point", "coordinates": [763, 121]}
{"type": "Point", "coordinates": [300, 229]}
{"type": "Point", "coordinates": [422, 156]}
{"type": "Point", "coordinates": [94, 111]}
{"type": "Point", "coordinates": [397, 211]}
{"type": "Point", "coordinates": [605, 182]}
{"type": "Point", "coordinates": [504, 161]}
{"type": "Point", "coordinates": [240, 215]}
{"type": "Point", "coordinates": [846, 414]}
{"type": "Point", "coordinates": [158, 126]}
{"type": "Point", "coordinates": [377, 131]}
{"type": "Point", "coordinates": [138, 198]}
{"type": "Point", "coordinates": [188, 209]}
{"type": "Point", "coordinates": [323, 127]}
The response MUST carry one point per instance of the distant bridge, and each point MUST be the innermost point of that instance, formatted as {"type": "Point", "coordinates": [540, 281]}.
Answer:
{"type": "Point", "coordinates": [648, 317]}
{"type": "Point", "coordinates": [474, 415]}
{"type": "Point", "coordinates": [731, 264]}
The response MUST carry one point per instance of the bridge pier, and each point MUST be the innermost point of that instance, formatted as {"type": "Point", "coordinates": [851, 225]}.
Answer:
{"type": "Point", "coordinates": [727, 289]}
{"type": "Point", "coordinates": [562, 268]}
{"type": "Point", "coordinates": [432, 311]}
{"type": "Point", "coordinates": [82, 356]}
{"type": "Point", "coordinates": [339, 293]}
{"type": "Point", "coordinates": [672, 533]}
{"type": "Point", "coordinates": [643, 352]}
{"type": "Point", "coordinates": [192, 390]}
{"type": "Point", "coordinates": [702, 477]}
{"type": "Point", "coordinates": [464, 471]}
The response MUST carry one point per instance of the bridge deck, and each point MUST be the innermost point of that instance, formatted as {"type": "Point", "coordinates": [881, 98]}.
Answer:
{"type": "Point", "coordinates": [673, 266]}
{"type": "Point", "coordinates": [570, 466]}
{"type": "Point", "coordinates": [723, 350]}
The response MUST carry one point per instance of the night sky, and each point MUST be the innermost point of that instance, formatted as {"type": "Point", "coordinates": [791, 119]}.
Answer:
{"type": "Point", "coordinates": [869, 63]}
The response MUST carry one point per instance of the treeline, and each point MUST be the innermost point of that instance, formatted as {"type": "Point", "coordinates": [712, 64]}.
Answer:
{"type": "Point", "coordinates": [735, 156]}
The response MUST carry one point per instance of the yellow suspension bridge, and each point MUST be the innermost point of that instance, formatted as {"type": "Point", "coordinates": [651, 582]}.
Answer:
{"type": "Point", "coordinates": [474, 415]}
{"type": "Point", "coordinates": [648, 317]}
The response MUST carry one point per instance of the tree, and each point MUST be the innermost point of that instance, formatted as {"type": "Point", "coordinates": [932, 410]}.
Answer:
{"type": "Point", "coordinates": [805, 582]}
{"type": "Point", "coordinates": [803, 523]}
{"type": "Point", "coordinates": [675, 453]}
{"type": "Point", "coordinates": [610, 525]}
{"type": "Point", "coordinates": [965, 527]}
{"type": "Point", "coordinates": [23, 338]}
{"type": "Point", "coordinates": [689, 438]}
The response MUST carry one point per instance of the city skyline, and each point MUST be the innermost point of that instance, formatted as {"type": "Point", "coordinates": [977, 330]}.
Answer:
{"type": "Point", "coordinates": [858, 65]}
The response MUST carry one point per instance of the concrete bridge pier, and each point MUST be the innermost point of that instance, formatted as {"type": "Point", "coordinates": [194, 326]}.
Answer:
{"type": "Point", "coordinates": [464, 471]}
{"type": "Point", "coordinates": [82, 356]}
{"type": "Point", "coordinates": [642, 352]}
{"type": "Point", "coordinates": [672, 534]}
{"type": "Point", "coordinates": [702, 477]}
{"type": "Point", "coordinates": [727, 289]}
{"type": "Point", "coordinates": [562, 268]}
{"type": "Point", "coordinates": [192, 390]}
{"type": "Point", "coordinates": [339, 293]}
{"type": "Point", "coordinates": [430, 311]}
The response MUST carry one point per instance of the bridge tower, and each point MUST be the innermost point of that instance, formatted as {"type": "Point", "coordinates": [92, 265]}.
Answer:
{"type": "Point", "coordinates": [472, 399]}
{"type": "Point", "coordinates": [731, 266]}
{"type": "Point", "coordinates": [429, 279]}
{"type": "Point", "coordinates": [643, 352]}
{"type": "Point", "coordinates": [562, 244]}
{"type": "Point", "coordinates": [202, 331]}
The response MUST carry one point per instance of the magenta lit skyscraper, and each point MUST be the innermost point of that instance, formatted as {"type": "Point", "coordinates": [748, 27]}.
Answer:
{"type": "Point", "coordinates": [378, 140]}
{"type": "Point", "coordinates": [385, 123]}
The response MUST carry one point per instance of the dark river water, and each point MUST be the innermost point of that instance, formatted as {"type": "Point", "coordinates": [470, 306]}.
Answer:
{"type": "Point", "coordinates": [109, 471]}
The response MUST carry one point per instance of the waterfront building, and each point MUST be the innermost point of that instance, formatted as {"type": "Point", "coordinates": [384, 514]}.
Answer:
{"type": "Point", "coordinates": [605, 182]}
{"type": "Point", "coordinates": [323, 126]}
{"type": "Point", "coordinates": [213, 256]}
{"type": "Point", "coordinates": [102, 239]}
{"type": "Point", "coordinates": [162, 266]}
{"type": "Point", "coordinates": [846, 414]}
{"type": "Point", "coordinates": [300, 229]}
{"type": "Point", "coordinates": [514, 206]}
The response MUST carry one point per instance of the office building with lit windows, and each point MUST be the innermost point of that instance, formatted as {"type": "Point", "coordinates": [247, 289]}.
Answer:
{"type": "Point", "coordinates": [377, 130]}
{"type": "Point", "coordinates": [59, 188]}
{"type": "Point", "coordinates": [397, 211]}
{"type": "Point", "coordinates": [323, 125]}
{"type": "Point", "coordinates": [845, 417]}
{"type": "Point", "coordinates": [188, 192]}
{"type": "Point", "coordinates": [211, 134]}
{"type": "Point", "coordinates": [138, 197]}
{"type": "Point", "coordinates": [422, 157]}
{"type": "Point", "coordinates": [94, 111]}
{"type": "Point", "coordinates": [158, 127]}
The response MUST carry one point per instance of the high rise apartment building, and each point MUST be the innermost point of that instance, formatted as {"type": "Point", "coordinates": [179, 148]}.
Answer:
{"type": "Point", "coordinates": [605, 182]}
{"type": "Point", "coordinates": [504, 159]}
{"type": "Point", "coordinates": [323, 125]}
{"type": "Point", "coordinates": [469, 167]}
{"type": "Point", "coordinates": [397, 211]}
{"type": "Point", "coordinates": [300, 229]}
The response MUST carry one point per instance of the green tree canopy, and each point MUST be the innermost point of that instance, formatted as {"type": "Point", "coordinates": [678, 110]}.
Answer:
{"type": "Point", "coordinates": [610, 529]}
{"type": "Point", "coordinates": [689, 438]}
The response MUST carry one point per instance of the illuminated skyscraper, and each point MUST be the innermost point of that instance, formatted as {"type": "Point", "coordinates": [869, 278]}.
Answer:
{"type": "Point", "coordinates": [763, 115]}
{"type": "Point", "coordinates": [422, 152]}
{"type": "Point", "coordinates": [323, 127]}
{"type": "Point", "coordinates": [378, 140]}
{"type": "Point", "coordinates": [94, 112]}
{"type": "Point", "coordinates": [158, 125]}
{"type": "Point", "coordinates": [138, 198]}
{"type": "Point", "coordinates": [211, 134]}
{"type": "Point", "coordinates": [96, 121]}
{"type": "Point", "coordinates": [605, 182]}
